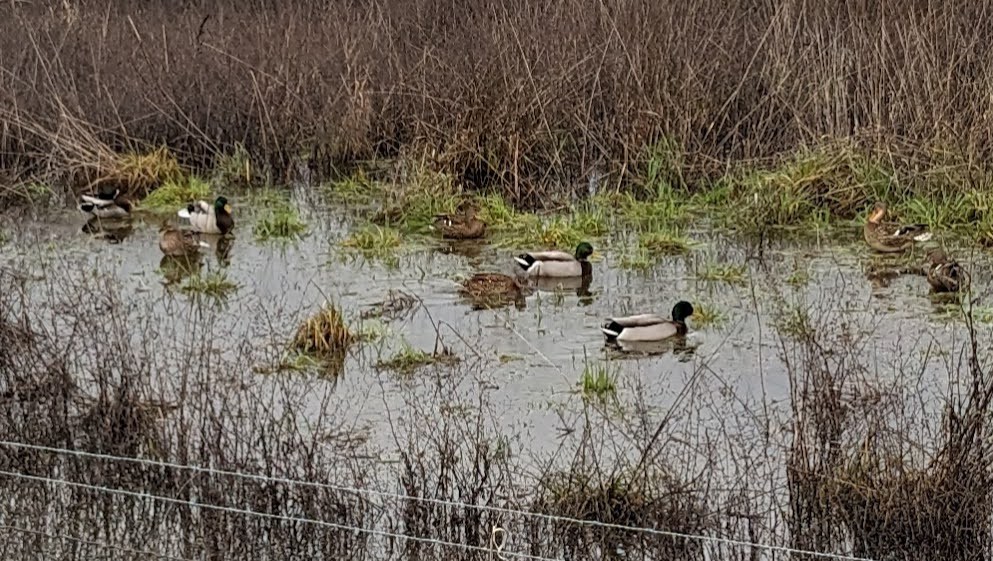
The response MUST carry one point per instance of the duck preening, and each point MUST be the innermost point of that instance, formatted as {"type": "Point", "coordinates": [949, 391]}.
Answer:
{"type": "Point", "coordinates": [888, 237]}
{"type": "Point", "coordinates": [209, 219]}
{"type": "Point", "coordinates": [557, 263]}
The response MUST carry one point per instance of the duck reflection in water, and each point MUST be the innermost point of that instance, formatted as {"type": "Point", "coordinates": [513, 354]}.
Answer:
{"type": "Point", "coordinates": [114, 230]}
{"type": "Point", "coordinates": [175, 268]}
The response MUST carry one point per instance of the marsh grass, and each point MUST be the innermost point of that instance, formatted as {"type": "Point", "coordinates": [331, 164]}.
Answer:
{"type": "Point", "coordinates": [598, 381]}
{"type": "Point", "coordinates": [279, 220]}
{"type": "Point", "coordinates": [723, 272]}
{"type": "Point", "coordinates": [637, 259]}
{"type": "Point", "coordinates": [235, 168]}
{"type": "Point", "coordinates": [707, 315]}
{"type": "Point", "coordinates": [214, 284]}
{"type": "Point", "coordinates": [670, 242]}
{"type": "Point", "coordinates": [175, 194]}
{"type": "Point", "coordinates": [138, 173]}
{"type": "Point", "coordinates": [357, 189]}
{"type": "Point", "coordinates": [409, 359]}
{"type": "Point", "coordinates": [377, 242]}
{"type": "Point", "coordinates": [323, 334]}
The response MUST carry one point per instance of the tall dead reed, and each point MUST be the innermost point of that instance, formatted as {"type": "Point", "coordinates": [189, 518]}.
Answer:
{"type": "Point", "coordinates": [500, 93]}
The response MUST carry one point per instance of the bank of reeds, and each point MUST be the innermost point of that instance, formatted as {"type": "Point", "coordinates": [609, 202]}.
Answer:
{"type": "Point", "coordinates": [528, 98]}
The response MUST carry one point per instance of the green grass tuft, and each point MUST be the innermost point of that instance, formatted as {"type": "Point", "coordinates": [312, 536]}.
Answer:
{"type": "Point", "coordinates": [707, 315]}
{"type": "Point", "coordinates": [408, 359]}
{"type": "Point", "coordinates": [597, 382]}
{"type": "Point", "coordinates": [174, 195]}
{"type": "Point", "coordinates": [324, 333]}
{"type": "Point", "coordinates": [280, 220]}
{"type": "Point", "coordinates": [374, 240]}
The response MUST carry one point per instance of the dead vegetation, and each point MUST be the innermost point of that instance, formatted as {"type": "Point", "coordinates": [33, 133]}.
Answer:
{"type": "Point", "coordinates": [501, 93]}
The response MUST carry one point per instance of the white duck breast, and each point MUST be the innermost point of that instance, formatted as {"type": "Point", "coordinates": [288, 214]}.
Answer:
{"type": "Point", "coordinates": [642, 327]}
{"type": "Point", "coordinates": [101, 208]}
{"type": "Point", "coordinates": [201, 216]}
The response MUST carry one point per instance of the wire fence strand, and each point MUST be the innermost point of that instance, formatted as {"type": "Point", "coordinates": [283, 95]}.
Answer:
{"type": "Point", "coordinates": [440, 502]}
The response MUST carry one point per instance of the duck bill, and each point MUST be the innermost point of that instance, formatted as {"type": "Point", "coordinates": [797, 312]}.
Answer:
{"type": "Point", "coordinates": [227, 209]}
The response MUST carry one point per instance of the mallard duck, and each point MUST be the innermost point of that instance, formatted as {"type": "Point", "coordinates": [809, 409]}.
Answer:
{"type": "Point", "coordinates": [891, 238]}
{"type": "Point", "coordinates": [648, 327]}
{"type": "Point", "coordinates": [944, 274]}
{"type": "Point", "coordinates": [106, 206]}
{"type": "Point", "coordinates": [175, 242]}
{"type": "Point", "coordinates": [557, 263]}
{"type": "Point", "coordinates": [207, 218]}
{"type": "Point", "coordinates": [459, 227]}
{"type": "Point", "coordinates": [493, 289]}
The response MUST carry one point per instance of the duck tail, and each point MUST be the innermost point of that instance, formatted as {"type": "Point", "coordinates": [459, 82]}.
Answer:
{"type": "Point", "coordinates": [87, 207]}
{"type": "Point", "coordinates": [184, 213]}
{"type": "Point", "coordinates": [923, 237]}
{"type": "Point", "coordinates": [611, 330]}
{"type": "Point", "coordinates": [523, 262]}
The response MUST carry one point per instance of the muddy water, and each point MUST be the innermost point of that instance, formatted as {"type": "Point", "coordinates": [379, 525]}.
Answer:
{"type": "Point", "coordinates": [532, 356]}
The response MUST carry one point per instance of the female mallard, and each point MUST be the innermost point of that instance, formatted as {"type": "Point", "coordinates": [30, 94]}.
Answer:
{"type": "Point", "coordinates": [462, 226]}
{"type": "Point", "coordinates": [648, 327]}
{"type": "Point", "coordinates": [106, 206]}
{"type": "Point", "coordinates": [891, 238]}
{"type": "Point", "coordinates": [557, 263]}
{"type": "Point", "coordinates": [493, 289]}
{"type": "Point", "coordinates": [178, 243]}
{"type": "Point", "coordinates": [209, 219]}
{"type": "Point", "coordinates": [944, 274]}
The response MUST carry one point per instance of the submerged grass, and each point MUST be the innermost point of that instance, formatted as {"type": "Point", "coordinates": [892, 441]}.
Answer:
{"type": "Point", "coordinates": [374, 241]}
{"type": "Point", "coordinates": [214, 284]}
{"type": "Point", "coordinates": [665, 242]}
{"type": "Point", "coordinates": [707, 315]}
{"type": "Point", "coordinates": [408, 359]}
{"type": "Point", "coordinates": [722, 272]}
{"type": "Point", "coordinates": [279, 219]}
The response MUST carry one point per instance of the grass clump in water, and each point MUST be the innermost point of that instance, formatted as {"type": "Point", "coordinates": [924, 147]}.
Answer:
{"type": "Point", "coordinates": [214, 285]}
{"type": "Point", "coordinates": [637, 259]}
{"type": "Point", "coordinates": [374, 241]}
{"type": "Point", "coordinates": [324, 333]}
{"type": "Point", "coordinates": [408, 359]}
{"type": "Point", "coordinates": [279, 221]}
{"type": "Point", "coordinates": [664, 242]}
{"type": "Point", "coordinates": [708, 315]}
{"type": "Point", "coordinates": [176, 194]}
{"type": "Point", "coordinates": [356, 189]}
{"type": "Point", "coordinates": [597, 381]}
{"type": "Point", "coordinates": [235, 168]}
{"type": "Point", "coordinates": [716, 272]}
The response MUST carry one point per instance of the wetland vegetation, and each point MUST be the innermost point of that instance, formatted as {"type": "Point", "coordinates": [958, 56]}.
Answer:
{"type": "Point", "coordinates": [383, 405]}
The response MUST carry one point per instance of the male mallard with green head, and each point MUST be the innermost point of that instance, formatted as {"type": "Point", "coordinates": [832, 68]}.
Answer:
{"type": "Point", "coordinates": [106, 206]}
{"type": "Point", "coordinates": [462, 226]}
{"type": "Point", "coordinates": [557, 263]}
{"type": "Point", "coordinates": [178, 243]}
{"type": "Point", "coordinates": [207, 218]}
{"type": "Point", "coordinates": [943, 273]}
{"type": "Point", "coordinates": [891, 238]}
{"type": "Point", "coordinates": [648, 327]}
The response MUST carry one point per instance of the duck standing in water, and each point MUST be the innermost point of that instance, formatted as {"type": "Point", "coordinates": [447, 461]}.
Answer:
{"type": "Point", "coordinates": [891, 238]}
{"type": "Point", "coordinates": [943, 273]}
{"type": "Point", "coordinates": [648, 327]}
{"type": "Point", "coordinates": [557, 263]}
{"type": "Point", "coordinates": [209, 219]}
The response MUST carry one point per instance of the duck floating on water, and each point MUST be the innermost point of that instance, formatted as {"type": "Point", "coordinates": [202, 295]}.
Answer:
{"type": "Point", "coordinates": [648, 327]}
{"type": "Point", "coordinates": [557, 263]}
{"type": "Point", "coordinates": [209, 219]}
{"type": "Point", "coordinates": [887, 237]}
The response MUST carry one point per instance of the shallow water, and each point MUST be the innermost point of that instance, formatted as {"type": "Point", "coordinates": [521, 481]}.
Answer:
{"type": "Point", "coordinates": [536, 354]}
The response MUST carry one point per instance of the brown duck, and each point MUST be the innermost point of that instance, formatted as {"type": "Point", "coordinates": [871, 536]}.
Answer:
{"type": "Point", "coordinates": [887, 237]}
{"type": "Point", "coordinates": [943, 273]}
{"type": "Point", "coordinates": [177, 243]}
{"type": "Point", "coordinates": [464, 225]}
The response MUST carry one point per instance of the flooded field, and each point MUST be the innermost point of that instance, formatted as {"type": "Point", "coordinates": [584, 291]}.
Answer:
{"type": "Point", "coordinates": [497, 416]}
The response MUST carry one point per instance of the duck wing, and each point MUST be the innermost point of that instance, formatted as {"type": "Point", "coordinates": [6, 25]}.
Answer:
{"type": "Point", "coordinates": [640, 320]}
{"type": "Point", "coordinates": [97, 202]}
{"type": "Point", "coordinates": [552, 256]}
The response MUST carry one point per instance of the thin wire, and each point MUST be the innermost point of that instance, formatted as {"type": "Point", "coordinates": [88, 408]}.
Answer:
{"type": "Point", "coordinates": [91, 542]}
{"type": "Point", "coordinates": [442, 502]}
{"type": "Point", "coordinates": [284, 518]}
